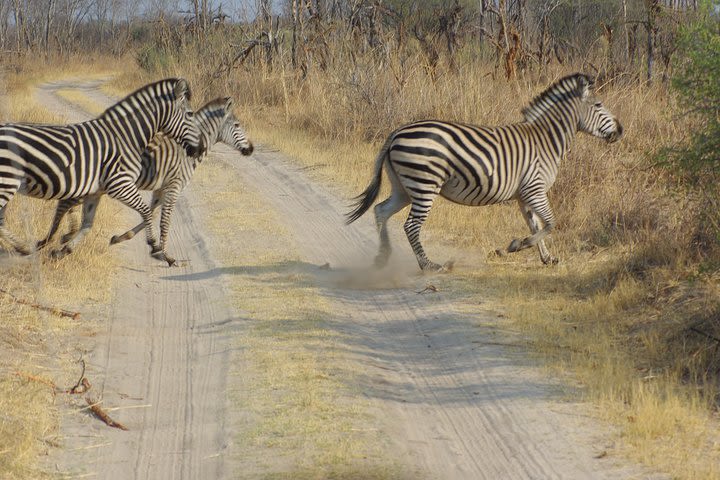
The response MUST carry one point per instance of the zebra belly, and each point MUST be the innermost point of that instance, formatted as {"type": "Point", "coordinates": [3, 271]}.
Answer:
{"type": "Point", "coordinates": [488, 192]}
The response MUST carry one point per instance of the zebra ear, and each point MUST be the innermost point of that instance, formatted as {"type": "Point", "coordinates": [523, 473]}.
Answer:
{"type": "Point", "coordinates": [228, 103]}
{"type": "Point", "coordinates": [586, 83]}
{"type": "Point", "coordinates": [182, 89]}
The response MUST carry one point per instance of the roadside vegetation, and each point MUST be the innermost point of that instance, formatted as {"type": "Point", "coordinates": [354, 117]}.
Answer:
{"type": "Point", "coordinates": [632, 313]}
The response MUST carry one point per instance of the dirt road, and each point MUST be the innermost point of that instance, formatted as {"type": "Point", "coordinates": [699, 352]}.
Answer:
{"type": "Point", "coordinates": [454, 397]}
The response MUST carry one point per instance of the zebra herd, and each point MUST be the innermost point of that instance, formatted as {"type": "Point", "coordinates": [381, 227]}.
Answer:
{"type": "Point", "coordinates": [151, 140]}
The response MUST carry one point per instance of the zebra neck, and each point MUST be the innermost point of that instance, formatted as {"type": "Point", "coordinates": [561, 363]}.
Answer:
{"type": "Point", "coordinates": [561, 132]}
{"type": "Point", "coordinates": [208, 129]}
{"type": "Point", "coordinates": [135, 130]}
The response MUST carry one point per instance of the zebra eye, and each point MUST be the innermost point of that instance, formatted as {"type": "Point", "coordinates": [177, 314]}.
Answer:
{"type": "Point", "coordinates": [598, 104]}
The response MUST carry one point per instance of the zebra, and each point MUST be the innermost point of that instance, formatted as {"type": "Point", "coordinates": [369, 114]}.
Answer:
{"type": "Point", "coordinates": [475, 165]}
{"type": "Point", "coordinates": [85, 160]}
{"type": "Point", "coordinates": [166, 170]}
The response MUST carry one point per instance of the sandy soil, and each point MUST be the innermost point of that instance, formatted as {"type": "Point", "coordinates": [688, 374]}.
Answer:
{"type": "Point", "coordinates": [456, 398]}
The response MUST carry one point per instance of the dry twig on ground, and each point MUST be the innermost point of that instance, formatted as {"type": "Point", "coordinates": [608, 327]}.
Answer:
{"type": "Point", "coordinates": [102, 415]}
{"type": "Point", "coordinates": [56, 311]}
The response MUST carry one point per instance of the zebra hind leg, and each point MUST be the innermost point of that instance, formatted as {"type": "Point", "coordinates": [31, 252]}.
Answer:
{"type": "Point", "coordinates": [413, 224]}
{"type": "Point", "coordinates": [397, 200]}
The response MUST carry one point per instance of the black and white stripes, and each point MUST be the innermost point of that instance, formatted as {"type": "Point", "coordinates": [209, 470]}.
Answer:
{"type": "Point", "coordinates": [166, 169]}
{"type": "Point", "coordinates": [473, 165]}
{"type": "Point", "coordinates": [94, 157]}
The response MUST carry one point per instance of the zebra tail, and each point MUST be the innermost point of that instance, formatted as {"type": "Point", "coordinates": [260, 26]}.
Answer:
{"type": "Point", "coordinates": [367, 198]}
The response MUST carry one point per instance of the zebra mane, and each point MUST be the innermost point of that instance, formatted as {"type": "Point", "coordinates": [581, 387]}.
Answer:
{"type": "Point", "coordinates": [567, 88]}
{"type": "Point", "coordinates": [159, 89]}
{"type": "Point", "coordinates": [217, 107]}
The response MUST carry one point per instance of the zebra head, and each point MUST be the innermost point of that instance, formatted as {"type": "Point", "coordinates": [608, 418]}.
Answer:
{"type": "Point", "coordinates": [180, 124]}
{"type": "Point", "coordinates": [595, 118]}
{"type": "Point", "coordinates": [231, 132]}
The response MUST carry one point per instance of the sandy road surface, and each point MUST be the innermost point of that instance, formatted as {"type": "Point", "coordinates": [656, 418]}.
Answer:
{"type": "Point", "coordinates": [454, 402]}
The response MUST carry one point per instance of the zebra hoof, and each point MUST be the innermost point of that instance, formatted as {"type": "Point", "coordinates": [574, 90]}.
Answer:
{"type": "Point", "coordinates": [171, 261]}
{"type": "Point", "coordinates": [432, 267]}
{"type": "Point", "coordinates": [381, 260]}
{"type": "Point", "coordinates": [67, 237]}
{"type": "Point", "coordinates": [447, 266]}
{"type": "Point", "coordinates": [551, 261]}
{"type": "Point", "coordinates": [60, 254]}
{"type": "Point", "coordinates": [158, 254]}
{"type": "Point", "coordinates": [515, 246]}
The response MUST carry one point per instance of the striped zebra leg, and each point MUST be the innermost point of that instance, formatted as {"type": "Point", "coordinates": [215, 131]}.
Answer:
{"type": "Point", "coordinates": [418, 214]}
{"type": "Point", "coordinates": [537, 202]}
{"type": "Point", "coordinates": [532, 222]}
{"type": "Point", "coordinates": [156, 201]}
{"type": "Point", "coordinates": [8, 236]}
{"type": "Point", "coordinates": [124, 190]}
{"type": "Point", "coordinates": [63, 207]}
{"type": "Point", "coordinates": [170, 196]}
{"type": "Point", "coordinates": [397, 200]}
{"type": "Point", "coordinates": [70, 239]}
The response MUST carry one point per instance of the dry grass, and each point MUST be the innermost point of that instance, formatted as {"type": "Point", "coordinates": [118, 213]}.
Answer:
{"type": "Point", "coordinates": [301, 420]}
{"type": "Point", "coordinates": [39, 345]}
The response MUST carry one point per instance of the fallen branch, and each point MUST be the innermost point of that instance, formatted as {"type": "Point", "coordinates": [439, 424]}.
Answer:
{"type": "Point", "coordinates": [429, 288]}
{"type": "Point", "coordinates": [56, 311]}
{"type": "Point", "coordinates": [102, 415]}
{"type": "Point", "coordinates": [82, 385]}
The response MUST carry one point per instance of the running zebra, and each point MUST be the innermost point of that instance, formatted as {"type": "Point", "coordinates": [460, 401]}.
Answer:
{"type": "Point", "coordinates": [95, 157]}
{"type": "Point", "coordinates": [474, 166]}
{"type": "Point", "coordinates": [166, 170]}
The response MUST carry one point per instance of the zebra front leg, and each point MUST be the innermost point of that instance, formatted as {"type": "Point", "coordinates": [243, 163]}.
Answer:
{"type": "Point", "coordinates": [63, 207]}
{"type": "Point", "coordinates": [125, 191]}
{"type": "Point", "coordinates": [89, 208]}
{"type": "Point", "coordinates": [170, 197]}
{"type": "Point", "coordinates": [413, 224]}
{"type": "Point", "coordinates": [532, 222]}
{"type": "Point", "coordinates": [540, 206]}
{"type": "Point", "coordinates": [156, 200]}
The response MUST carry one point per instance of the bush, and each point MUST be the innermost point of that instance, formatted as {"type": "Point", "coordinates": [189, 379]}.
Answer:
{"type": "Point", "coordinates": [697, 163]}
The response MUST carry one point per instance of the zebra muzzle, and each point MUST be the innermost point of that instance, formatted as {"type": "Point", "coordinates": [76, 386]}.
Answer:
{"type": "Point", "coordinates": [615, 135]}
